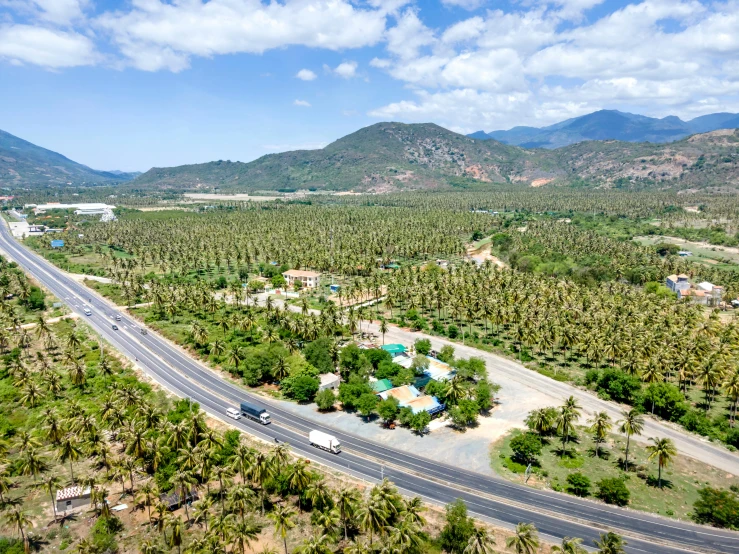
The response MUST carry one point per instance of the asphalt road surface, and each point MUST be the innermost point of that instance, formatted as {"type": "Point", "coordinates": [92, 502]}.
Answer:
{"type": "Point", "coordinates": [555, 515]}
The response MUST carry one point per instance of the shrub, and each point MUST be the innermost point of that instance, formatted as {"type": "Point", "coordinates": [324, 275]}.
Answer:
{"type": "Point", "coordinates": [526, 447]}
{"type": "Point", "coordinates": [378, 356]}
{"type": "Point", "coordinates": [732, 437]}
{"type": "Point", "coordinates": [350, 392]}
{"type": "Point", "coordinates": [719, 508]}
{"type": "Point", "coordinates": [389, 409]}
{"type": "Point", "coordinates": [453, 331]}
{"type": "Point", "coordinates": [420, 421]}
{"type": "Point", "coordinates": [302, 388]}
{"type": "Point", "coordinates": [613, 490]}
{"type": "Point", "coordinates": [423, 346]}
{"type": "Point", "coordinates": [464, 413]}
{"type": "Point", "coordinates": [458, 528]}
{"type": "Point", "coordinates": [11, 546]}
{"type": "Point", "coordinates": [616, 385]}
{"type": "Point", "coordinates": [367, 403]}
{"type": "Point", "coordinates": [578, 484]}
{"type": "Point", "coordinates": [446, 354]}
{"type": "Point", "coordinates": [697, 422]}
{"type": "Point", "coordinates": [665, 400]}
{"type": "Point", "coordinates": [325, 399]}
{"type": "Point", "coordinates": [318, 354]}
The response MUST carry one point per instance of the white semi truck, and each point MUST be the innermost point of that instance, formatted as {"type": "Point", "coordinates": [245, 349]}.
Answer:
{"type": "Point", "coordinates": [324, 441]}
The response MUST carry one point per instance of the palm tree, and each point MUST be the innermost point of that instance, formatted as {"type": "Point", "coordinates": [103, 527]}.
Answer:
{"type": "Point", "coordinates": [183, 482]}
{"type": "Point", "coordinates": [600, 425]}
{"type": "Point", "coordinates": [19, 520]}
{"type": "Point", "coordinates": [540, 421]}
{"type": "Point", "coordinates": [664, 450]}
{"type": "Point", "coordinates": [243, 533]}
{"type": "Point", "coordinates": [315, 545]}
{"type": "Point", "coordinates": [358, 547]}
{"type": "Point", "coordinates": [610, 543]}
{"type": "Point", "coordinates": [176, 530]}
{"type": "Point", "coordinates": [298, 478]}
{"type": "Point", "coordinates": [51, 483]}
{"type": "Point", "coordinates": [631, 424]}
{"type": "Point", "coordinates": [570, 546]}
{"type": "Point", "coordinates": [283, 518]}
{"type": "Point", "coordinates": [526, 539]}
{"type": "Point", "coordinates": [201, 512]}
{"type": "Point", "coordinates": [383, 329]}
{"type": "Point", "coordinates": [346, 503]}
{"type": "Point", "coordinates": [372, 516]}
{"type": "Point", "coordinates": [69, 450]}
{"type": "Point", "coordinates": [150, 547]}
{"type": "Point", "coordinates": [147, 494]}
{"type": "Point", "coordinates": [480, 542]}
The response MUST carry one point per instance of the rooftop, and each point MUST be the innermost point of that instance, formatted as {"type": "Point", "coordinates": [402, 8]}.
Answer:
{"type": "Point", "coordinates": [381, 385]}
{"type": "Point", "coordinates": [404, 394]}
{"type": "Point", "coordinates": [301, 273]}
{"type": "Point", "coordinates": [394, 348]}
{"type": "Point", "coordinates": [72, 492]}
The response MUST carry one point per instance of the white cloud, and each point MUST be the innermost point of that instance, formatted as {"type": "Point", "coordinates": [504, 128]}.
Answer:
{"type": "Point", "coordinates": [306, 75]}
{"type": "Point", "coordinates": [176, 31]}
{"type": "Point", "coordinates": [409, 36]}
{"type": "Point", "coordinates": [381, 63]}
{"type": "Point", "coordinates": [301, 103]}
{"type": "Point", "coordinates": [526, 67]}
{"type": "Point", "coordinates": [346, 70]}
{"type": "Point", "coordinates": [49, 48]}
{"type": "Point", "coordinates": [465, 4]}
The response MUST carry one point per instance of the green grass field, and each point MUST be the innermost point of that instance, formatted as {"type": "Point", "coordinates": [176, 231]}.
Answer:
{"type": "Point", "coordinates": [681, 479]}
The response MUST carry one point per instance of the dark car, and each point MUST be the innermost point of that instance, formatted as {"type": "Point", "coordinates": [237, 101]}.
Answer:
{"type": "Point", "coordinates": [115, 327]}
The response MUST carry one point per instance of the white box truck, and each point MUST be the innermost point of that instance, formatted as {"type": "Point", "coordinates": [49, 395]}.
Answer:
{"type": "Point", "coordinates": [324, 441]}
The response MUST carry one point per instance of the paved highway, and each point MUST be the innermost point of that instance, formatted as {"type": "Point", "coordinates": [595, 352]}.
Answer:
{"type": "Point", "coordinates": [555, 515]}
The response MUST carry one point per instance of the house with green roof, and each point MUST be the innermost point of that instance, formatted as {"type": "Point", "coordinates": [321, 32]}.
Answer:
{"type": "Point", "coordinates": [394, 349]}
{"type": "Point", "coordinates": [381, 385]}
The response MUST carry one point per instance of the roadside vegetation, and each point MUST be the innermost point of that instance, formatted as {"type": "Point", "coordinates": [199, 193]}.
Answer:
{"type": "Point", "coordinates": [593, 461]}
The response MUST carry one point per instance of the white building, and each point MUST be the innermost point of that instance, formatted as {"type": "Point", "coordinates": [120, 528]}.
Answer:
{"type": "Point", "coordinates": [328, 381]}
{"type": "Point", "coordinates": [309, 279]}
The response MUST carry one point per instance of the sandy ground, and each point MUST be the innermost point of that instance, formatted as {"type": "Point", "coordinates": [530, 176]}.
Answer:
{"type": "Point", "coordinates": [81, 277]}
{"type": "Point", "coordinates": [469, 449]}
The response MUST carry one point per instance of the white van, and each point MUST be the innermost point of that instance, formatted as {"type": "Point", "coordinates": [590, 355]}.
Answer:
{"type": "Point", "coordinates": [88, 311]}
{"type": "Point", "coordinates": [233, 413]}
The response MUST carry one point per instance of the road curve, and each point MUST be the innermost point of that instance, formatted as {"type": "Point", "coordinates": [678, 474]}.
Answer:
{"type": "Point", "coordinates": [555, 515]}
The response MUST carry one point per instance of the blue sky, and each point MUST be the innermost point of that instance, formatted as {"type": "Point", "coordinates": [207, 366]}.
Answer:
{"type": "Point", "coordinates": [131, 85]}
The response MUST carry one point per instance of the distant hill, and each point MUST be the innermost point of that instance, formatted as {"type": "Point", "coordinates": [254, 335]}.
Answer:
{"type": "Point", "coordinates": [23, 164]}
{"type": "Point", "coordinates": [384, 156]}
{"type": "Point", "coordinates": [611, 125]}
{"type": "Point", "coordinates": [394, 156]}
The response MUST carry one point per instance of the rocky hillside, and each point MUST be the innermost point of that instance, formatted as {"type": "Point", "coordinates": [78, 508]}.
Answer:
{"type": "Point", "coordinates": [382, 157]}
{"type": "Point", "coordinates": [394, 156]}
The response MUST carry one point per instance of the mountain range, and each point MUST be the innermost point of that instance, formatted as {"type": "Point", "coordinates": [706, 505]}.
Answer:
{"type": "Point", "coordinates": [23, 164]}
{"type": "Point", "coordinates": [388, 157]}
{"type": "Point", "coordinates": [611, 125]}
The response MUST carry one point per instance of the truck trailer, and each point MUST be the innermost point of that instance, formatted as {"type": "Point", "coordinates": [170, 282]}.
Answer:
{"type": "Point", "coordinates": [255, 412]}
{"type": "Point", "coordinates": [324, 441]}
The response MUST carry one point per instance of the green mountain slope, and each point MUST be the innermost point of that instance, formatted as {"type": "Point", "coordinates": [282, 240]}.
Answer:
{"type": "Point", "coordinates": [385, 156]}
{"type": "Point", "coordinates": [394, 156]}
{"type": "Point", "coordinates": [23, 164]}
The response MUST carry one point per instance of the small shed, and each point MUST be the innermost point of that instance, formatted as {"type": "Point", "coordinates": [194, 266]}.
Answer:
{"type": "Point", "coordinates": [70, 498]}
{"type": "Point", "coordinates": [328, 381]}
{"type": "Point", "coordinates": [173, 501]}
{"type": "Point", "coordinates": [394, 349]}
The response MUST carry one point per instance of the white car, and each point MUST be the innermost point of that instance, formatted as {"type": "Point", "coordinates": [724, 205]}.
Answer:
{"type": "Point", "coordinates": [233, 413]}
